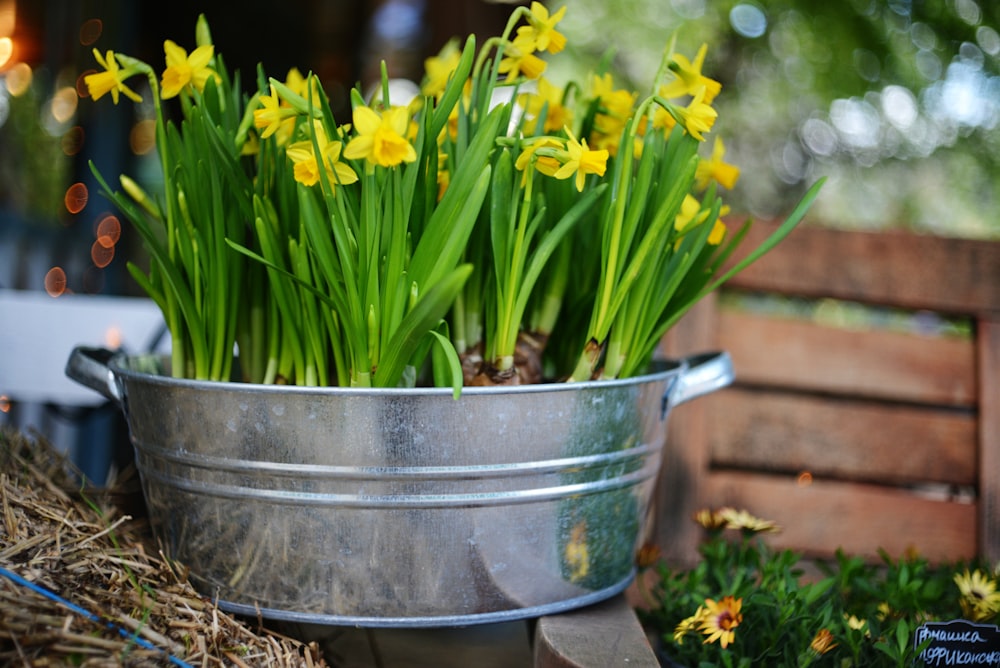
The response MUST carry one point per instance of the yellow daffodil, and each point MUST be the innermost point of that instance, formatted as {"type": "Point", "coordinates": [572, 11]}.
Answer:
{"type": "Point", "coordinates": [541, 29]}
{"type": "Point", "coordinates": [582, 161]}
{"type": "Point", "coordinates": [716, 169]}
{"type": "Point", "coordinates": [381, 138]}
{"type": "Point", "coordinates": [273, 115]}
{"type": "Point", "coordinates": [715, 238]}
{"type": "Point", "coordinates": [546, 164]}
{"type": "Point", "coordinates": [438, 69]}
{"type": "Point", "coordinates": [111, 80]}
{"type": "Point", "coordinates": [307, 166]}
{"type": "Point", "coordinates": [614, 110]}
{"type": "Point", "coordinates": [519, 59]}
{"type": "Point", "coordinates": [720, 620]}
{"type": "Point", "coordinates": [689, 78]}
{"type": "Point", "coordinates": [698, 116]}
{"type": "Point", "coordinates": [689, 216]}
{"type": "Point", "coordinates": [549, 97]}
{"type": "Point", "coordinates": [183, 70]}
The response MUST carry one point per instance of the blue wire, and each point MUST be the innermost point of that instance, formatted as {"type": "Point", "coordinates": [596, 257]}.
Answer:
{"type": "Point", "coordinates": [125, 633]}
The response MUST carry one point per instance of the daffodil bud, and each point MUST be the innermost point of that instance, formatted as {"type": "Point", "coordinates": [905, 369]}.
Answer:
{"type": "Point", "coordinates": [202, 35]}
{"type": "Point", "coordinates": [140, 197]}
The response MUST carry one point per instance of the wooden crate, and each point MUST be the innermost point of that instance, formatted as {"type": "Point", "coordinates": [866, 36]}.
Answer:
{"type": "Point", "coordinates": [847, 437]}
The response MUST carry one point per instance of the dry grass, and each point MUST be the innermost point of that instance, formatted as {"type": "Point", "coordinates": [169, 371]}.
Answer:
{"type": "Point", "coordinates": [133, 608]}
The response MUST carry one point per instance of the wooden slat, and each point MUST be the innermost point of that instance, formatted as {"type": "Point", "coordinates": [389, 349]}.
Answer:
{"type": "Point", "coordinates": [988, 334]}
{"type": "Point", "coordinates": [606, 634]}
{"type": "Point", "coordinates": [891, 268]}
{"type": "Point", "coordinates": [823, 516]}
{"type": "Point", "coordinates": [685, 460]}
{"type": "Point", "coordinates": [845, 439]}
{"type": "Point", "coordinates": [875, 363]}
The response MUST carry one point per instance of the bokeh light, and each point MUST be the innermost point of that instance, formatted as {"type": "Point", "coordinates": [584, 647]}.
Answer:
{"type": "Point", "coordinates": [64, 103]}
{"type": "Point", "coordinates": [102, 255]}
{"type": "Point", "coordinates": [109, 231]}
{"type": "Point", "coordinates": [4, 403]}
{"type": "Point", "coordinates": [113, 338]}
{"type": "Point", "coordinates": [55, 281]}
{"type": "Point", "coordinates": [6, 50]}
{"type": "Point", "coordinates": [18, 79]}
{"type": "Point", "coordinates": [142, 139]}
{"type": "Point", "coordinates": [76, 197]}
{"type": "Point", "coordinates": [91, 31]}
{"type": "Point", "coordinates": [72, 140]}
{"type": "Point", "coordinates": [81, 86]}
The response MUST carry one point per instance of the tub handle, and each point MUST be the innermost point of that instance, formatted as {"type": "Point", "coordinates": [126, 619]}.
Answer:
{"type": "Point", "coordinates": [89, 367]}
{"type": "Point", "coordinates": [702, 374]}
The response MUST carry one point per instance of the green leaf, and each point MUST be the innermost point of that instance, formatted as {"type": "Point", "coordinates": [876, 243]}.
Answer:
{"type": "Point", "coordinates": [445, 357]}
{"type": "Point", "coordinates": [429, 310]}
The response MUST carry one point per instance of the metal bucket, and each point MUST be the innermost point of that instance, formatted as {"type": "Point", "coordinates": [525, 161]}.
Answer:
{"type": "Point", "coordinates": [398, 507]}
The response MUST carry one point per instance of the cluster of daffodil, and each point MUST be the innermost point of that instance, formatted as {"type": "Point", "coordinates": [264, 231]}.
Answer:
{"type": "Point", "coordinates": [747, 604]}
{"type": "Point", "coordinates": [497, 229]}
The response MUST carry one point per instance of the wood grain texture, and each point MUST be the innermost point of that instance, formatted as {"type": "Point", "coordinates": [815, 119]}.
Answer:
{"type": "Point", "coordinates": [884, 364]}
{"type": "Point", "coordinates": [989, 437]}
{"type": "Point", "coordinates": [889, 268]}
{"type": "Point", "coordinates": [780, 432]}
{"type": "Point", "coordinates": [601, 635]}
{"type": "Point", "coordinates": [818, 518]}
{"type": "Point", "coordinates": [680, 488]}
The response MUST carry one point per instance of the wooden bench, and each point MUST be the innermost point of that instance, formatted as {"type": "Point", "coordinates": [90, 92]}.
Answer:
{"type": "Point", "coordinates": [860, 438]}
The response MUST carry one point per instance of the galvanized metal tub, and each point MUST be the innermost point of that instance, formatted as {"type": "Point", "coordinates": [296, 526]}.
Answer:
{"type": "Point", "coordinates": [398, 507]}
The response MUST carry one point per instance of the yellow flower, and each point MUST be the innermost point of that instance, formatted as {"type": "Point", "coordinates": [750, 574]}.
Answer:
{"type": "Point", "coordinates": [649, 554]}
{"type": "Point", "coordinates": [541, 29]}
{"type": "Point", "coordinates": [822, 642]}
{"type": "Point", "coordinates": [689, 625]}
{"type": "Point", "coordinates": [299, 85]}
{"type": "Point", "coordinates": [306, 166]}
{"type": "Point", "coordinates": [582, 161]}
{"type": "Point", "coordinates": [744, 521]}
{"type": "Point", "coordinates": [272, 114]}
{"type": "Point", "coordinates": [721, 619]}
{"type": "Point", "coordinates": [980, 600]}
{"type": "Point", "coordinates": [715, 168]}
{"type": "Point", "coordinates": [688, 78]}
{"type": "Point", "coordinates": [381, 138]}
{"type": "Point", "coordinates": [518, 58]}
{"type": "Point", "coordinates": [856, 624]}
{"type": "Point", "coordinates": [111, 80]}
{"type": "Point", "coordinates": [438, 69]}
{"type": "Point", "coordinates": [546, 164]}
{"type": "Point", "coordinates": [698, 116]}
{"type": "Point", "coordinates": [557, 115]}
{"type": "Point", "coordinates": [614, 110]}
{"type": "Point", "coordinates": [183, 70]}
{"type": "Point", "coordinates": [710, 519]}
{"type": "Point", "coordinates": [715, 238]}
{"type": "Point", "coordinates": [689, 216]}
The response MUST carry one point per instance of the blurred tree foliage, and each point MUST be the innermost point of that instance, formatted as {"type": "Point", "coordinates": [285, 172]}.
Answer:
{"type": "Point", "coordinates": [897, 101]}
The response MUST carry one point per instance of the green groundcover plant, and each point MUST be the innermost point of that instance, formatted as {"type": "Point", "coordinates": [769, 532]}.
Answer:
{"type": "Point", "coordinates": [498, 229]}
{"type": "Point", "coordinates": [746, 604]}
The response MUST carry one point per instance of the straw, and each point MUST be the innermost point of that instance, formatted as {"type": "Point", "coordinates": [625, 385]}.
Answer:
{"type": "Point", "coordinates": [83, 583]}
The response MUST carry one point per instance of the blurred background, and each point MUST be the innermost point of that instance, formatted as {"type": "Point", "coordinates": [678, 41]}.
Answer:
{"type": "Point", "coordinates": [896, 101]}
